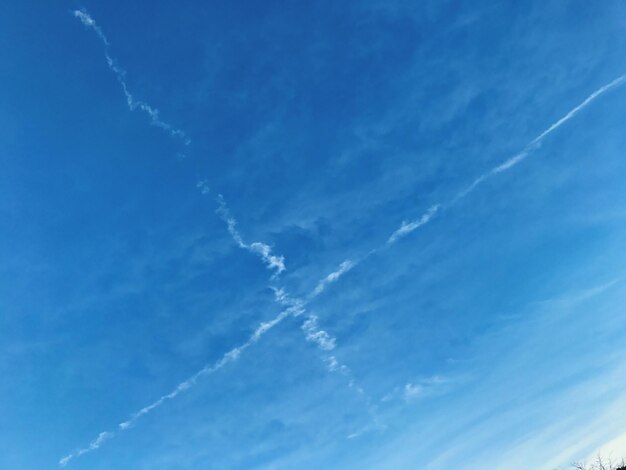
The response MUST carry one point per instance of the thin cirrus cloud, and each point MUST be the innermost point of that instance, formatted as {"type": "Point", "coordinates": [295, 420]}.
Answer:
{"type": "Point", "coordinates": [133, 104]}
{"type": "Point", "coordinates": [408, 227]}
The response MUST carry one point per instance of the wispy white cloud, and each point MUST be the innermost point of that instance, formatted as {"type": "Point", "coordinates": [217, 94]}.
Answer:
{"type": "Point", "coordinates": [418, 389]}
{"type": "Point", "coordinates": [88, 21]}
{"type": "Point", "coordinates": [408, 227]}
{"type": "Point", "coordinates": [281, 296]}
{"type": "Point", "coordinates": [327, 343]}
{"type": "Point", "coordinates": [366, 429]}
{"type": "Point", "coordinates": [508, 164]}
{"type": "Point", "coordinates": [344, 267]}
{"type": "Point", "coordinates": [273, 261]}
{"type": "Point", "coordinates": [133, 104]}
{"type": "Point", "coordinates": [261, 249]}
{"type": "Point", "coordinates": [572, 298]}
{"type": "Point", "coordinates": [315, 335]}
{"type": "Point", "coordinates": [424, 387]}
{"type": "Point", "coordinates": [229, 357]}
{"type": "Point", "coordinates": [93, 445]}
{"type": "Point", "coordinates": [586, 102]}
{"type": "Point", "coordinates": [203, 187]}
{"type": "Point", "coordinates": [412, 391]}
{"type": "Point", "coordinates": [324, 341]}
{"type": "Point", "coordinates": [296, 306]}
{"type": "Point", "coordinates": [536, 142]}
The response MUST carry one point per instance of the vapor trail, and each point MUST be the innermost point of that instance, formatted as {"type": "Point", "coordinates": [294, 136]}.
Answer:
{"type": "Point", "coordinates": [618, 81]}
{"type": "Point", "coordinates": [408, 227]}
{"type": "Point", "coordinates": [120, 74]}
{"type": "Point", "coordinates": [261, 249]}
{"type": "Point", "coordinates": [313, 333]}
{"type": "Point", "coordinates": [294, 308]}
{"type": "Point", "coordinates": [227, 358]}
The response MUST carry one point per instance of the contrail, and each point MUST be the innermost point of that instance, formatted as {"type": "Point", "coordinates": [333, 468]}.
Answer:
{"type": "Point", "coordinates": [313, 333]}
{"type": "Point", "coordinates": [258, 248]}
{"type": "Point", "coordinates": [227, 358]}
{"type": "Point", "coordinates": [230, 356]}
{"type": "Point", "coordinates": [618, 81]}
{"type": "Point", "coordinates": [133, 104]}
{"type": "Point", "coordinates": [95, 444]}
{"type": "Point", "coordinates": [294, 308]}
{"type": "Point", "coordinates": [408, 227]}
{"type": "Point", "coordinates": [344, 267]}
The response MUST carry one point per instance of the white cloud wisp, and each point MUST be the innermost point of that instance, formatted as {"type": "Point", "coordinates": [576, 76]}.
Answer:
{"type": "Point", "coordinates": [408, 227]}
{"type": "Point", "coordinates": [294, 308]}
{"type": "Point", "coordinates": [258, 248]}
{"type": "Point", "coordinates": [313, 333]}
{"type": "Point", "coordinates": [133, 104]}
{"type": "Point", "coordinates": [227, 358]}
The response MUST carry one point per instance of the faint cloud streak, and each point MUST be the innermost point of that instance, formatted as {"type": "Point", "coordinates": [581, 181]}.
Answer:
{"type": "Point", "coordinates": [408, 227]}
{"type": "Point", "coordinates": [133, 104]}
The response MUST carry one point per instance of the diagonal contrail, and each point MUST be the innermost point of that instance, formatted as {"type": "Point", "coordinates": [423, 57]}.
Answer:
{"type": "Point", "coordinates": [618, 81]}
{"type": "Point", "coordinates": [261, 249]}
{"type": "Point", "coordinates": [408, 227]}
{"type": "Point", "coordinates": [133, 104]}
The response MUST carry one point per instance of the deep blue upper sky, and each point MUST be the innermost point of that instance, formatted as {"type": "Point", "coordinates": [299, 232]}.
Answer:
{"type": "Point", "coordinates": [486, 333]}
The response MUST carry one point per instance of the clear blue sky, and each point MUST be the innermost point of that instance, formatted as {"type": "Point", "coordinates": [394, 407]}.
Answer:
{"type": "Point", "coordinates": [378, 234]}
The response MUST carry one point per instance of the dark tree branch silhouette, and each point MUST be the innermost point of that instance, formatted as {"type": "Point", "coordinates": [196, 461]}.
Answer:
{"type": "Point", "coordinates": [600, 464]}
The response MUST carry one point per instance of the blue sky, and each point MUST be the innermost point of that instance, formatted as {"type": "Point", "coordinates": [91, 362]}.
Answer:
{"type": "Point", "coordinates": [375, 234]}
